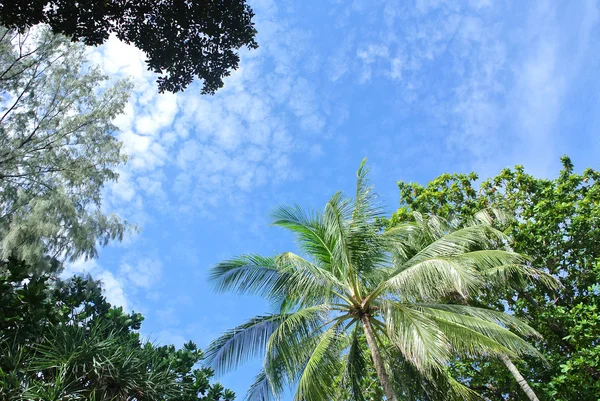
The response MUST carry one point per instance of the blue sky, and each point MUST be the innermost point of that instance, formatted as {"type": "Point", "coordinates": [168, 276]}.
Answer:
{"type": "Point", "coordinates": [418, 87]}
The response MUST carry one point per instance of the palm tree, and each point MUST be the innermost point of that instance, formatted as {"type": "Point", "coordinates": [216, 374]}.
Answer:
{"type": "Point", "coordinates": [402, 289]}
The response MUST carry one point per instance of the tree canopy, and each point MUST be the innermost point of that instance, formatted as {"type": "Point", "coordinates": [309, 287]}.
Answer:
{"type": "Point", "coordinates": [558, 225]}
{"type": "Point", "coordinates": [182, 39]}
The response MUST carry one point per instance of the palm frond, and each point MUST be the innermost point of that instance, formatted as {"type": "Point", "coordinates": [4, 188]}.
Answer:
{"type": "Point", "coordinates": [242, 343]}
{"type": "Point", "coordinates": [417, 336]}
{"type": "Point", "coordinates": [291, 344]}
{"type": "Point", "coordinates": [355, 366]}
{"type": "Point", "coordinates": [492, 216]}
{"type": "Point", "coordinates": [518, 276]}
{"type": "Point", "coordinates": [433, 278]}
{"type": "Point", "coordinates": [365, 208]}
{"type": "Point", "coordinates": [491, 258]}
{"type": "Point", "coordinates": [260, 389]}
{"type": "Point", "coordinates": [471, 336]}
{"type": "Point", "coordinates": [335, 222]}
{"type": "Point", "coordinates": [309, 230]}
{"type": "Point", "coordinates": [321, 368]}
{"type": "Point", "coordinates": [489, 315]}
{"type": "Point", "coordinates": [306, 283]}
{"type": "Point", "coordinates": [246, 274]}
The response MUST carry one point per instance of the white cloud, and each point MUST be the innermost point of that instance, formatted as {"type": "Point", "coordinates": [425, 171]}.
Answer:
{"type": "Point", "coordinates": [550, 64]}
{"type": "Point", "coordinates": [144, 272]}
{"type": "Point", "coordinates": [134, 274]}
{"type": "Point", "coordinates": [494, 84]}
{"type": "Point", "coordinates": [397, 64]}
{"type": "Point", "coordinates": [113, 289]}
{"type": "Point", "coordinates": [372, 52]}
{"type": "Point", "coordinates": [168, 337]}
{"type": "Point", "coordinates": [215, 148]}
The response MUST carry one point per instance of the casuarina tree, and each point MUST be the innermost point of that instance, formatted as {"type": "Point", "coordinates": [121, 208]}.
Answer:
{"type": "Point", "coordinates": [57, 148]}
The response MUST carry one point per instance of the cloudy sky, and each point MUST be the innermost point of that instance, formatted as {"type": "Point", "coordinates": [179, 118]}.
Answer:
{"type": "Point", "coordinates": [419, 87]}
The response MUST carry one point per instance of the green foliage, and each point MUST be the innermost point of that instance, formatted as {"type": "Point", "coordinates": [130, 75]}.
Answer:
{"type": "Point", "coordinates": [181, 39]}
{"type": "Point", "coordinates": [57, 148]}
{"type": "Point", "coordinates": [394, 290]}
{"type": "Point", "coordinates": [62, 340]}
{"type": "Point", "coordinates": [558, 225]}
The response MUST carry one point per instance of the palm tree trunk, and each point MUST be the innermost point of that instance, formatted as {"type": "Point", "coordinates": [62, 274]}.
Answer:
{"type": "Point", "coordinates": [520, 379]}
{"type": "Point", "coordinates": [384, 379]}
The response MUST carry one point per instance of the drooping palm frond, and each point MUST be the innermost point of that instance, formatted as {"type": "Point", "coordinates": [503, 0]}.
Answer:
{"type": "Point", "coordinates": [428, 335]}
{"type": "Point", "coordinates": [260, 389]}
{"type": "Point", "coordinates": [472, 337]}
{"type": "Point", "coordinates": [242, 343]}
{"type": "Point", "coordinates": [489, 315]}
{"type": "Point", "coordinates": [418, 337]}
{"type": "Point", "coordinates": [322, 367]}
{"type": "Point", "coordinates": [458, 241]}
{"type": "Point", "coordinates": [247, 274]}
{"type": "Point", "coordinates": [518, 276]}
{"type": "Point", "coordinates": [283, 279]}
{"type": "Point", "coordinates": [354, 364]}
{"type": "Point", "coordinates": [432, 279]}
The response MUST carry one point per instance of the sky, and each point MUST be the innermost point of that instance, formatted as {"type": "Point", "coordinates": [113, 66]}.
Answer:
{"type": "Point", "coordinates": [419, 87]}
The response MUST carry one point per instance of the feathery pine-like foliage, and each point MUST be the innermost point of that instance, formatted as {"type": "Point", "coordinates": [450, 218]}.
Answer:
{"type": "Point", "coordinates": [57, 148]}
{"type": "Point", "coordinates": [395, 289]}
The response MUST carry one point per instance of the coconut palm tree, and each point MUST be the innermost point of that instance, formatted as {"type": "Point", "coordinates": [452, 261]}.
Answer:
{"type": "Point", "coordinates": [401, 289]}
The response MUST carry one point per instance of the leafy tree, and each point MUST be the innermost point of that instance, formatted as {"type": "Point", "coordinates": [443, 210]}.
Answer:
{"type": "Point", "coordinates": [558, 225]}
{"type": "Point", "coordinates": [57, 148]}
{"type": "Point", "coordinates": [396, 288]}
{"type": "Point", "coordinates": [181, 39]}
{"type": "Point", "coordinates": [62, 340]}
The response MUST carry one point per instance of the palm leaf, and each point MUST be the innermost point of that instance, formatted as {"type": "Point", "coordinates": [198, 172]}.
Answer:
{"type": "Point", "coordinates": [418, 337]}
{"type": "Point", "coordinates": [355, 366]}
{"type": "Point", "coordinates": [309, 230]}
{"type": "Point", "coordinates": [316, 381]}
{"type": "Point", "coordinates": [246, 274]}
{"type": "Point", "coordinates": [242, 343]}
{"type": "Point", "coordinates": [260, 389]}
{"type": "Point", "coordinates": [491, 316]}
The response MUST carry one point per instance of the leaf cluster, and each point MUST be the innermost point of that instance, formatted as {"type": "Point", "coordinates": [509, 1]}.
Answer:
{"type": "Point", "coordinates": [182, 40]}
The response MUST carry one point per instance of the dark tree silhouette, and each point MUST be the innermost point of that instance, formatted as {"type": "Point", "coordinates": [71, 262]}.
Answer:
{"type": "Point", "coordinates": [182, 39]}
